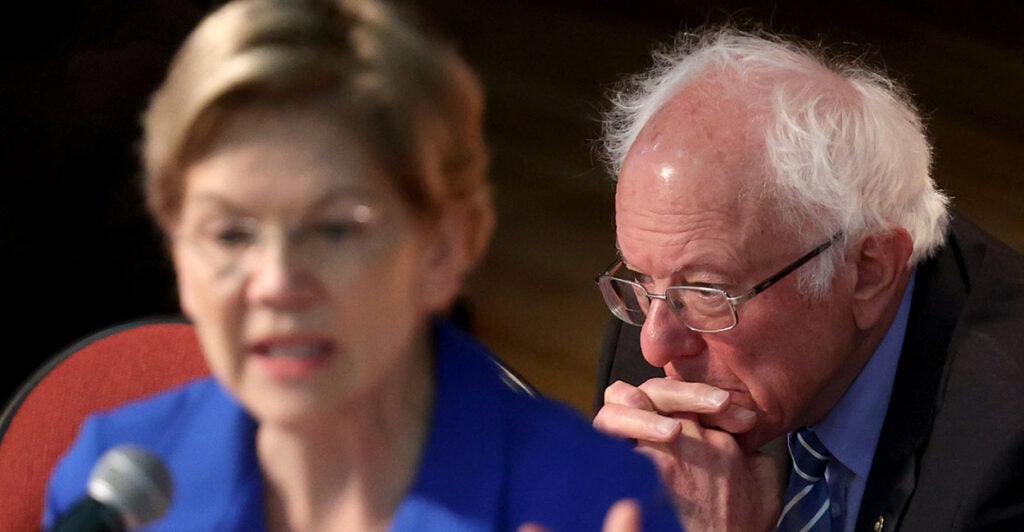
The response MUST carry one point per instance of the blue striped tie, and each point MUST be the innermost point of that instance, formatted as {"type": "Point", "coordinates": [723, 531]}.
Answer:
{"type": "Point", "coordinates": [806, 505]}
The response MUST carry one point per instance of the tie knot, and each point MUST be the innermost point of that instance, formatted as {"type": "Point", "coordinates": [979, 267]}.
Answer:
{"type": "Point", "coordinates": [809, 455]}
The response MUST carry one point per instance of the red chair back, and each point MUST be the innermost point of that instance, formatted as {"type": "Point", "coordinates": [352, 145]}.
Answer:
{"type": "Point", "coordinates": [102, 371]}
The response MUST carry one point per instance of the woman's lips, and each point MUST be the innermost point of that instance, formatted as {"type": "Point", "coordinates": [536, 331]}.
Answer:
{"type": "Point", "coordinates": [291, 359]}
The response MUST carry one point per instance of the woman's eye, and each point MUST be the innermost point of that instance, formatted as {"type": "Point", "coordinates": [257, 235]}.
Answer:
{"type": "Point", "coordinates": [234, 236]}
{"type": "Point", "coordinates": [335, 231]}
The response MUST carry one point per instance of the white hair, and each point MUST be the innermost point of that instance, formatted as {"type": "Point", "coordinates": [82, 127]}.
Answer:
{"type": "Point", "coordinates": [844, 146]}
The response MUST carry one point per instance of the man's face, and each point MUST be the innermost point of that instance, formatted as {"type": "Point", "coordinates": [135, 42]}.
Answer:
{"type": "Point", "coordinates": [688, 211]}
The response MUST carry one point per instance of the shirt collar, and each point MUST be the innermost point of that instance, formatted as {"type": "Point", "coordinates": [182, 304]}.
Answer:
{"type": "Point", "coordinates": [459, 482]}
{"type": "Point", "coordinates": [851, 429]}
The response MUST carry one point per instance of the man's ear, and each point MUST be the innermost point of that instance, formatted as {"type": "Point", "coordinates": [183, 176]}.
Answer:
{"type": "Point", "coordinates": [881, 262]}
{"type": "Point", "coordinates": [445, 261]}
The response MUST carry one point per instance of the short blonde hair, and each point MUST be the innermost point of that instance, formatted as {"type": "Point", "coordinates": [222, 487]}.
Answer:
{"type": "Point", "coordinates": [407, 94]}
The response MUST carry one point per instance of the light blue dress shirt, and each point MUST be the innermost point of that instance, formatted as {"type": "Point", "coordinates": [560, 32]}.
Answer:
{"type": "Point", "coordinates": [851, 429]}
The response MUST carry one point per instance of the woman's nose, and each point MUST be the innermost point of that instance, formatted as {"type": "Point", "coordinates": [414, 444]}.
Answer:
{"type": "Point", "coordinates": [664, 338]}
{"type": "Point", "coordinates": [279, 277]}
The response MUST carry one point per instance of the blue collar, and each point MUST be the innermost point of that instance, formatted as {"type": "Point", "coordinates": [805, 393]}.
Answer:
{"type": "Point", "coordinates": [851, 429]}
{"type": "Point", "coordinates": [460, 479]}
{"type": "Point", "coordinates": [459, 483]}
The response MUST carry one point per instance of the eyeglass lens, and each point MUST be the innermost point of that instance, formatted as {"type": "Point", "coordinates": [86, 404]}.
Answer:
{"type": "Point", "coordinates": [703, 309]}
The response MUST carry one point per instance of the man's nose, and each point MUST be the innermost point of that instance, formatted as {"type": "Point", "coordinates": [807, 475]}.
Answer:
{"type": "Point", "coordinates": [664, 338]}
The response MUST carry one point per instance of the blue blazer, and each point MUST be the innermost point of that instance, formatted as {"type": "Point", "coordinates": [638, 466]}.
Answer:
{"type": "Point", "coordinates": [494, 459]}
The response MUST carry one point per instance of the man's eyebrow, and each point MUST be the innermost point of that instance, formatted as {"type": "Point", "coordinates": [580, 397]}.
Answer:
{"type": "Point", "coordinates": [701, 265]}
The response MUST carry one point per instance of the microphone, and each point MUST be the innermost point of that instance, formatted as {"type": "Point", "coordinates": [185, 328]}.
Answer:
{"type": "Point", "coordinates": [128, 487]}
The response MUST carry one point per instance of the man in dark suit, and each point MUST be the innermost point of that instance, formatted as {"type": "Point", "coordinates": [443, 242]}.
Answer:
{"type": "Point", "coordinates": [789, 269]}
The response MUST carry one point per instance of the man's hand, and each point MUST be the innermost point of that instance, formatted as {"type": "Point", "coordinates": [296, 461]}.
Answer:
{"type": "Point", "coordinates": [715, 484]}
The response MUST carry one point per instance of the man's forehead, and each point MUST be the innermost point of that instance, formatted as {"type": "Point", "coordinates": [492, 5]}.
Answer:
{"type": "Point", "coordinates": [692, 167]}
{"type": "Point", "coordinates": [710, 105]}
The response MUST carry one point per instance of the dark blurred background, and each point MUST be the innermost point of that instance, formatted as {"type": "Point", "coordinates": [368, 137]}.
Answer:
{"type": "Point", "coordinates": [78, 252]}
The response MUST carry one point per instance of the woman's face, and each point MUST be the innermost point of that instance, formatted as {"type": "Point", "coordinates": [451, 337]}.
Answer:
{"type": "Point", "coordinates": [308, 279]}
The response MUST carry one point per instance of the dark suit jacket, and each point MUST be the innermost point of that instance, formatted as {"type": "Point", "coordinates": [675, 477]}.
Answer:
{"type": "Point", "coordinates": [951, 452]}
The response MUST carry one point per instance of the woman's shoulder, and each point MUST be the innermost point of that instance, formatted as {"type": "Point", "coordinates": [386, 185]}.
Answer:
{"type": "Point", "coordinates": [561, 466]}
{"type": "Point", "coordinates": [197, 430]}
{"type": "Point", "coordinates": [559, 433]}
{"type": "Point", "coordinates": [148, 419]}
{"type": "Point", "coordinates": [151, 422]}
{"type": "Point", "coordinates": [146, 422]}
{"type": "Point", "coordinates": [523, 457]}
{"type": "Point", "coordinates": [566, 436]}
{"type": "Point", "coordinates": [159, 409]}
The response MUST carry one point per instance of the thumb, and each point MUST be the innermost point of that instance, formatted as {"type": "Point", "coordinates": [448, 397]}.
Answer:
{"type": "Point", "coordinates": [623, 516]}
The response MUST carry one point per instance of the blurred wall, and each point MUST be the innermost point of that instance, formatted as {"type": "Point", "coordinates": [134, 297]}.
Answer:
{"type": "Point", "coordinates": [548, 66]}
{"type": "Point", "coordinates": [78, 252]}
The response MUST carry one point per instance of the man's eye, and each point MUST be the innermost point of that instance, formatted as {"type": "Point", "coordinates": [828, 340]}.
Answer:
{"type": "Point", "coordinates": [645, 281]}
{"type": "Point", "coordinates": [703, 284]}
{"type": "Point", "coordinates": [638, 277]}
{"type": "Point", "coordinates": [708, 295]}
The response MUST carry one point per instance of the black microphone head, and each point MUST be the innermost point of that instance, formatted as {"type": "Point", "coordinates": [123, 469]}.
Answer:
{"type": "Point", "coordinates": [134, 482]}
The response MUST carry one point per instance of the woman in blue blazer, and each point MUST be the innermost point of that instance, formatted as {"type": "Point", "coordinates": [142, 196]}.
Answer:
{"type": "Point", "coordinates": [319, 171]}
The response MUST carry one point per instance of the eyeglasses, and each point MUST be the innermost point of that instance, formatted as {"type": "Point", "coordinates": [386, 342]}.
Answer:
{"type": "Point", "coordinates": [229, 242]}
{"type": "Point", "coordinates": [700, 308]}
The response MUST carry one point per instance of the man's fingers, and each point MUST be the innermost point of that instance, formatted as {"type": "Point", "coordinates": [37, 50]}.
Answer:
{"type": "Point", "coordinates": [735, 420]}
{"type": "Point", "coordinates": [623, 393]}
{"type": "Point", "coordinates": [670, 395]}
{"type": "Point", "coordinates": [671, 398]}
{"type": "Point", "coordinates": [625, 422]}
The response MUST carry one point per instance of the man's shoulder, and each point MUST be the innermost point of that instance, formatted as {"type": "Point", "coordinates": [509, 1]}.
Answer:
{"type": "Point", "coordinates": [986, 334]}
{"type": "Point", "coordinates": [957, 398]}
{"type": "Point", "coordinates": [984, 370]}
{"type": "Point", "coordinates": [971, 464]}
{"type": "Point", "coordinates": [966, 324]}
{"type": "Point", "coordinates": [978, 251]}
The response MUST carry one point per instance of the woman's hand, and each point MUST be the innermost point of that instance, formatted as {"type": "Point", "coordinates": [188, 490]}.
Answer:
{"type": "Point", "coordinates": [623, 516]}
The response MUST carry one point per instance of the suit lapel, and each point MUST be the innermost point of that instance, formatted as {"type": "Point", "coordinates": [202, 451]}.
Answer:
{"type": "Point", "coordinates": [939, 296]}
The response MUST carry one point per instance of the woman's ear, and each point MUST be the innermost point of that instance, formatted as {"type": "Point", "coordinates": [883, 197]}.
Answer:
{"type": "Point", "coordinates": [881, 269]}
{"type": "Point", "coordinates": [445, 260]}
{"type": "Point", "coordinates": [177, 255]}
